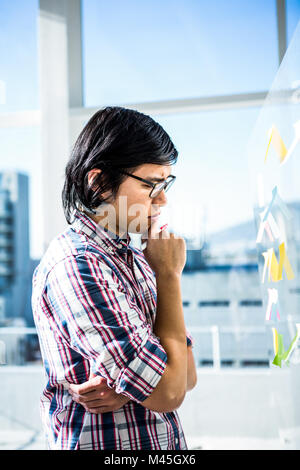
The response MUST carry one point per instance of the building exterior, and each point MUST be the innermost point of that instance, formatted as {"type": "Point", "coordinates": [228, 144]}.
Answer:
{"type": "Point", "coordinates": [15, 263]}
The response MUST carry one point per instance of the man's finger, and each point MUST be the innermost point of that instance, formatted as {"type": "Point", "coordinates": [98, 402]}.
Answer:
{"type": "Point", "coordinates": [96, 404]}
{"type": "Point", "coordinates": [98, 410]}
{"type": "Point", "coordinates": [92, 375]}
{"type": "Point", "coordinates": [88, 397]}
{"type": "Point", "coordinates": [91, 385]}
{"type": "Point", "coordinates": [153, 231]}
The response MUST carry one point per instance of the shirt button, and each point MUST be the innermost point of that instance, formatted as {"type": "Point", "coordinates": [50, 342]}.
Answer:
{"type": "Point", "coordinates": [176, 440]}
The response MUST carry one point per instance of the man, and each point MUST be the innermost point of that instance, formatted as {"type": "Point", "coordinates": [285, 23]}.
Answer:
{"type": "Point", "coordinates": [109, 316]}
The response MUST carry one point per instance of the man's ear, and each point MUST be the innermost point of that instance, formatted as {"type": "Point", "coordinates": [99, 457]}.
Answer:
{"type": "Point", "coordinates": [92, 175]}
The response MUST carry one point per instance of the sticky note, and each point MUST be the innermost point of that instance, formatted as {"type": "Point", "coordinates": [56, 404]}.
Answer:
{"type": "Point", "coordinates": [275, 267]}
{"type": "Point", "coordinates": [280, 353]}
{"type": "Point", "coordinates": [271, 264]}
{"type": "Point", "coordinates": [276, 141]}
{"type": "Point", "coordinates": [293, 343]}
{"type": "Point", "coordinates": [272, 307]}
{"type": "Point", "coordinates": [276, 199]}
{"type": "Point", "coordinates": [275, 340]}
{"type": "Point", "coordinates": [294, 143]}
{"type": "Point", "coordinates": [270, 226]}
{"type": "Point", "coordinates": [270, 206]}
{"type": "Point", "coordinates": [268, 230]}
{"type": "Point", "coordinates": [273, 226]}
{"type": "Point", "coordinates": [284, 262]}
{"type": "Point", "coordinates": [278, 347]}
{"type": "Point", "coordinates": [269, 143]}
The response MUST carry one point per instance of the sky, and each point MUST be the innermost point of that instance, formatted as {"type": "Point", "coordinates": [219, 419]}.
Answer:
{"type": "Point", "coordinates": [141, 51]}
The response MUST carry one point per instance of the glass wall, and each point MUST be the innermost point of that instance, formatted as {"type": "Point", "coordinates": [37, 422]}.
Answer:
{"type": "Point", "coordinates": [211, 208]}
{"type": "Point", "coordinates": [274, 168]}
{"type": "Point", "coordinates": [293, 17]}
{"type": "Point", "coordinates": [149, 52]}
{"type": "Point", "coordinates": [20, 224]}
{"type": "Point", "coordinates": [19, 50]}
{"type": "Point", "coordinates": [144, 51]}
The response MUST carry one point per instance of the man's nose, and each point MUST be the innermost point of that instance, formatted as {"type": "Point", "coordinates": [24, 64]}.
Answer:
{"type": "Point", "coordinates": [161, 199]}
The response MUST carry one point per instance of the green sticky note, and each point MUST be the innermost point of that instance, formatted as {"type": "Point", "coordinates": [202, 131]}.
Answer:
{"type": "Point", "coordinates": [282, 355]}
{"type": "Point", "coordinates": [277, 361]}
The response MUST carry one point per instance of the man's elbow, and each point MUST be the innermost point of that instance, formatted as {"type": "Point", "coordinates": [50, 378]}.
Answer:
{"type": "Point", "coordinates": [166, 402]}
{"type": "Point", "coordinates": [196, 380]}
{"type": "Point", "coordinates": [192, 382]}
{"type": "Point", "coordinates": [175, 401]}
{"type": "Point", "coordinates": [171, 403]}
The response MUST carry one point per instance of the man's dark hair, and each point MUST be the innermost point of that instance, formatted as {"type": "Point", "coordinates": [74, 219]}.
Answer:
{"type": "Point", "coordinates": [114, 138]}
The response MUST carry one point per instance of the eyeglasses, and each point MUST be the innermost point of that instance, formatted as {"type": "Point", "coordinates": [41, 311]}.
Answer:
{"type": "Point", "coordinates": [157, 188]}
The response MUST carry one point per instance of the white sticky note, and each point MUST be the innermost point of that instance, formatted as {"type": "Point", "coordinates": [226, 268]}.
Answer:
{"type": "Point", "coordinates": [294, 143]}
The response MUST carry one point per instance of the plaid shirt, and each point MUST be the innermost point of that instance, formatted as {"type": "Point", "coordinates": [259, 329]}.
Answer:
{"type": "Point", "coordinates": [94, 305]}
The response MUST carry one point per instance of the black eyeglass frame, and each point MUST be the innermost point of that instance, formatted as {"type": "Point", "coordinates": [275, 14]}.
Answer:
{"type": "Point", "coordinates": [168, 182]}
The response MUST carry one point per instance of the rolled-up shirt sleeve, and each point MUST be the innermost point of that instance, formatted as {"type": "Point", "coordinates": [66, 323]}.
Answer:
{"type": "Point", "coordinates": [189, 339]}
{"type": "Point", "coordinates": [100, 320]}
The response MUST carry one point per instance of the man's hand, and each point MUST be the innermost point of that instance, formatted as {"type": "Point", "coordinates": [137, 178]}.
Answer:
{"type": "Point", "coordinates": [96, 397]}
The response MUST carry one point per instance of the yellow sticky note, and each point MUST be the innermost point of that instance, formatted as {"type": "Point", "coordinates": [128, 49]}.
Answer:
{"type": "Point", "coordinates": [269, 143]}
{"type": "Point", "coordinates": [275, 340]}
{"type": "Point", "coordinates": [272, 264]}
{"type": "Point", "coordinates": [277, 142]}
{"type": "Point", "coordinates": [284, 262]}
{"type": "Point", "coordinates": [275, 267]}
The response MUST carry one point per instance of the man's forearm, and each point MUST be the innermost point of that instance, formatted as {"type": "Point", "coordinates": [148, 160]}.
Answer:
{"type": "Point", "coordinates": [191, 370]}
{"type": "Point", "coordinates": [169, 326]}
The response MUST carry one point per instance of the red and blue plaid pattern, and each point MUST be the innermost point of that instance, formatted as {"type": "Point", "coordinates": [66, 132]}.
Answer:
{"type": "Point", "coordinates": [94, 305]}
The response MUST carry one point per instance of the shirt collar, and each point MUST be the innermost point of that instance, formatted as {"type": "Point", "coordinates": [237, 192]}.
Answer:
{"type": "Point", "coordinates": [104, 237]}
